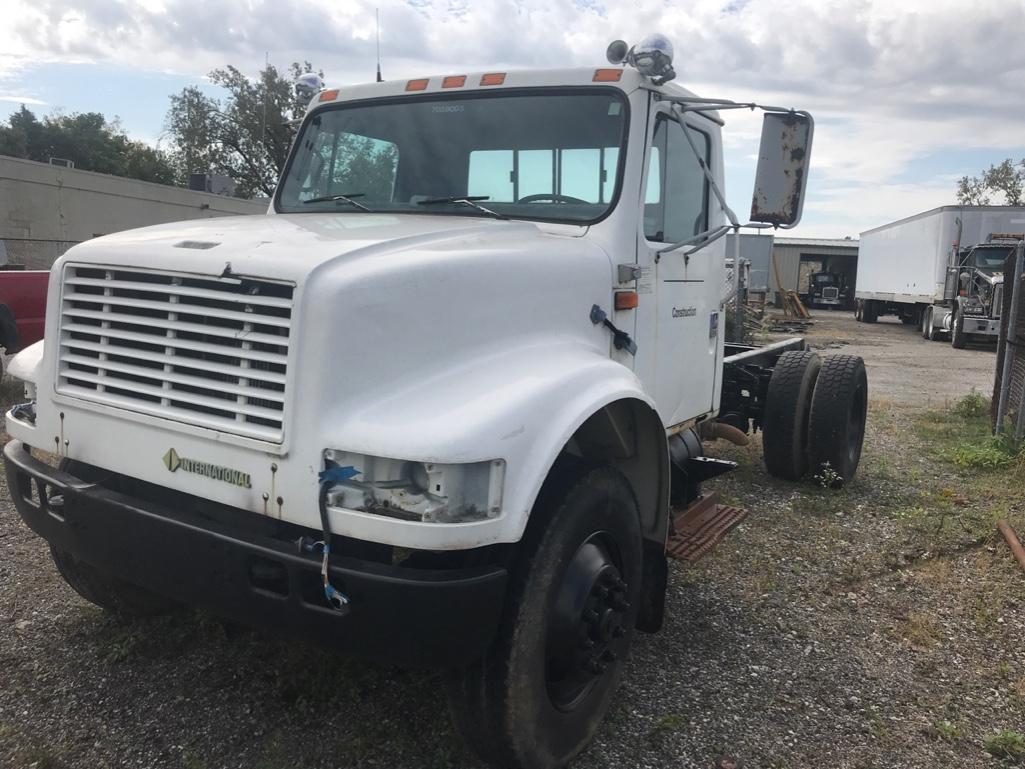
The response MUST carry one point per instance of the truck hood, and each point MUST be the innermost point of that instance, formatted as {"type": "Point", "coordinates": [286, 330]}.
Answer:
{"type": "Point", "coordinates": [290, 246]}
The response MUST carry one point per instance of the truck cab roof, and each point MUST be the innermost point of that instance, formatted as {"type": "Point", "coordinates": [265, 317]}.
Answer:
{"type": "Point", "coordinates": [626, 79]}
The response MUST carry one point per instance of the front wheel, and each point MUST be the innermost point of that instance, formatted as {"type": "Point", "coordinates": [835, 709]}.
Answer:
{"type": "Point", "coordinates": [958, 337]}
{"type": "Point", "coordinates": [538, 695]}
{"type": "Point", "coordinates": [108, 592]}
{"type": "Point", "coordinates": [105, 590]}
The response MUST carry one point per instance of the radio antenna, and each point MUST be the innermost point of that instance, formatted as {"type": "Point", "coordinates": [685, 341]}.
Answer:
{"type": "Point", "coordinates": [377, 33]}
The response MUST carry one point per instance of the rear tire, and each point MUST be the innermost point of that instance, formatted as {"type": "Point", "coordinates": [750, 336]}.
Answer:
{"type": "Point", "coordinates": [537, 696]}
{"type": "Point", "coordinates": [836, 423]}
{"type": "Point", "coordinates": [870, 313]}
{"type": "Point", "coordinates": [785, 415]}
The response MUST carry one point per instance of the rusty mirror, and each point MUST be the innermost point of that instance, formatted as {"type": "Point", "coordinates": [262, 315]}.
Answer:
{"type": "Point", "coordinates": [782, 176]}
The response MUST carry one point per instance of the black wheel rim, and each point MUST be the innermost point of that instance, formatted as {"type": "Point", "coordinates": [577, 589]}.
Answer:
{"type": "Point", "coordinates": [588, 631]}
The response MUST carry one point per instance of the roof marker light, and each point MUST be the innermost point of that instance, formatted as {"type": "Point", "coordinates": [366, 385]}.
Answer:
{"type": "Point", "coordinates": [492, 78]}
{"type": "Point", "coordinates": [328, 95]}
{"type": "Point", "coordinates": [417, 85]}
{"type": "Point", "coordinates": [607, 75]}
{"type": "Point", "coordinates": [454, 81]}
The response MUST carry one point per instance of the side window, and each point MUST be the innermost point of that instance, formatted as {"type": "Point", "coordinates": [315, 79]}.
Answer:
{"type": "Point", "coordinates": [676, 196]}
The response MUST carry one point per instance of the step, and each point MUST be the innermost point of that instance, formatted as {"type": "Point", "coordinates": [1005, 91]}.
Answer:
{"type": "Point", "coordinates": [701, 526]}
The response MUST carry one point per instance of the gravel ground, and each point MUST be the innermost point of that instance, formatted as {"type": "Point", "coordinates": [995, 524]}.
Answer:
{"type": "Point", "coordinates": [836, 629]}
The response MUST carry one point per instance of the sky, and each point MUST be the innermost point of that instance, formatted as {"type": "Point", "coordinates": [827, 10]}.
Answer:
{"type": "Point", "coordinates": [907, 96]}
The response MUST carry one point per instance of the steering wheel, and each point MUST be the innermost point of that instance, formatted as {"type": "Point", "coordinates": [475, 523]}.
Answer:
{"type": "Point", "coordinates": [555, 198]}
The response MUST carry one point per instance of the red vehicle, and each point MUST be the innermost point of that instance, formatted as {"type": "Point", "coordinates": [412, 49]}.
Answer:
{"type": "Point", "coordinates": [22, 308]}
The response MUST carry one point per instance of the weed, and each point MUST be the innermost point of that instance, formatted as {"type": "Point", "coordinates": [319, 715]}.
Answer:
{"type": "Point", "coordinates": [919, 631]}
{"type": "Point", "coordinates": [1006, 744]}
{"type": "Point", "coordinates": [993, 453]}
{"type": "Point", "coordinates": [945, 730]}
{"type": "Point", "coordinates": [670, 722]}
{"type": "Point", "coordinates": [828, 478]}
{"type": "Point", "coordinates": [972, 405]}
{"type": "Point", "coordinates": [123, 647]}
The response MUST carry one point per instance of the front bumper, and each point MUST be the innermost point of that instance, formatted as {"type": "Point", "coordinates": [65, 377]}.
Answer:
{"type": "Point", "coordinates": [976, 324]}
{"type": "Point", "coordinates": [398, 615]}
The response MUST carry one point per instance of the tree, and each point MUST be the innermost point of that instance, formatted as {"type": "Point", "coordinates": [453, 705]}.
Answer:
{"type": "Point", "coordinates": [1006, 179]}
{"type": "Point", "coordinates": [246, 136]}
{"type": "Point", "coordinates": [88, 139]}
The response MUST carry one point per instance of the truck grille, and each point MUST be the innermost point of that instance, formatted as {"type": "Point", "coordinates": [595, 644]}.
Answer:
{"type": "Point", "coordinates": [830, 292]}
{"type": "Point", "coordinates": [205, 351]}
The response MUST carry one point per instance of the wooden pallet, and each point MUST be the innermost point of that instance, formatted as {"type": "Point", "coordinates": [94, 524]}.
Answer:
{"type": "Point", "coordinates": [700, 527]}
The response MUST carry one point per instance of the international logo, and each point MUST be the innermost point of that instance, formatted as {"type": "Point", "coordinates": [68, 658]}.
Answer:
{"type": "Point", "coordinates": [685, 312]}
{"type": "Point", "coordinates": [173, 461]}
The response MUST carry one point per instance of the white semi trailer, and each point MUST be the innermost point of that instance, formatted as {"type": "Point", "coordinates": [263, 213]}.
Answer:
{"type": "Point", "coordinates": [941, 270]}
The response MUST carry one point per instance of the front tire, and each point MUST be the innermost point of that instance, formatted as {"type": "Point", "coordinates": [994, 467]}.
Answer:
{"type": "Point", "coordinates": [958, 337]}
{"type": "Point", "coordinates": [106, 591]}
{"type": "Point", "coordinates": [537, 696]}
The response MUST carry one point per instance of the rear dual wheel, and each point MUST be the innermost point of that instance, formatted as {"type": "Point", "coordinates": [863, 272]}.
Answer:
{"type": "Point", "coordinates": [814, 417]}
{"type": "Point", "coordinates": [836, 421]}
{"type": "Point", "coordinates": [785, 415]}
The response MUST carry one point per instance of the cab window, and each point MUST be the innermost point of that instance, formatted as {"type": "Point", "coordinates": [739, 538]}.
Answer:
{"type": "Point", "coordinates": [676, 194]}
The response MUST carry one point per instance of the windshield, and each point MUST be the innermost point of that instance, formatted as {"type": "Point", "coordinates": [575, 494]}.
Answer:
{"type": "Point", "coordinates": [991, 259]}
{"type": "Point", "coordinates": [551, 155]}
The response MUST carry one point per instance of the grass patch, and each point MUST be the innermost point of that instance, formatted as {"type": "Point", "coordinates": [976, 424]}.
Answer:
{"type": "Point", "coordinates": [972, 405]}
{"type": "Point", "coordinates": [1006, 744]}
{"type": "Point", "coordinates": [947, 731]}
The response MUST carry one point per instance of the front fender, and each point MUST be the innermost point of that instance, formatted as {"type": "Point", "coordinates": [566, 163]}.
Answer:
{"type": "Point", "coordinates": [519, 405]}
{"type": "Point", "coordinates": [25, 364]}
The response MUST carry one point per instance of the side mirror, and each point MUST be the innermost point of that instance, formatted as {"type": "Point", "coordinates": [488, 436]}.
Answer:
{"type": "Point", "coordinates": [782, 176]}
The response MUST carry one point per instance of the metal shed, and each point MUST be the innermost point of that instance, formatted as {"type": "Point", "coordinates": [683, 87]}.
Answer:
{"type": "Point", "coordinates": [796, 258]}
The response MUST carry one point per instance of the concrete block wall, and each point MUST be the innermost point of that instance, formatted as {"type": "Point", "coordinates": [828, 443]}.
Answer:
{"type": "Point", "coordinates": [44, 209]}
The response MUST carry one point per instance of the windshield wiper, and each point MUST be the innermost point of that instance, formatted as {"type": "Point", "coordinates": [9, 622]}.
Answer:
{"type": "Point", "coordinates": [343, 198]}
{"type": "Point", "coordinates": [469, 200]}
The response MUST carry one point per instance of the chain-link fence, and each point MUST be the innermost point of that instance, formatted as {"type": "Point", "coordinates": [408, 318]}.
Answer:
{"type": "Point", "coordinates": [1008, 410]}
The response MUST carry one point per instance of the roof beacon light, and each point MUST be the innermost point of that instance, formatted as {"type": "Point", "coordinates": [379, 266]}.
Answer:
{"type": "Point", "coordinates": [652, 57]}
{"type": "Point", "coordinates": [308, 85]}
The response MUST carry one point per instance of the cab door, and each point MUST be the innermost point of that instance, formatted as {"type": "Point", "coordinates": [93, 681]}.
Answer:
{"type": "Point", "coordinates": [688, 323]}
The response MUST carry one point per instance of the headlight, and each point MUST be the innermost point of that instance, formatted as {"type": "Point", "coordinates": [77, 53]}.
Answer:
{"type": "Point", "coordinates": [418, 491]}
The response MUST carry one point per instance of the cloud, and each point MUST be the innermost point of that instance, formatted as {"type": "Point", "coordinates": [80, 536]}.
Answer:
{"type": "Point", "coordinates": [889, 83]}
{"type": "Point", "coordinates": [29, 100]}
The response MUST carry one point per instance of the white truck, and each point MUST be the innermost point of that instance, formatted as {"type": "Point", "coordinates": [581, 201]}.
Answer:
{"type": "Point", "coordinates": [437, 405]}
{"type": "Point", "coordinates": [941, 270]}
